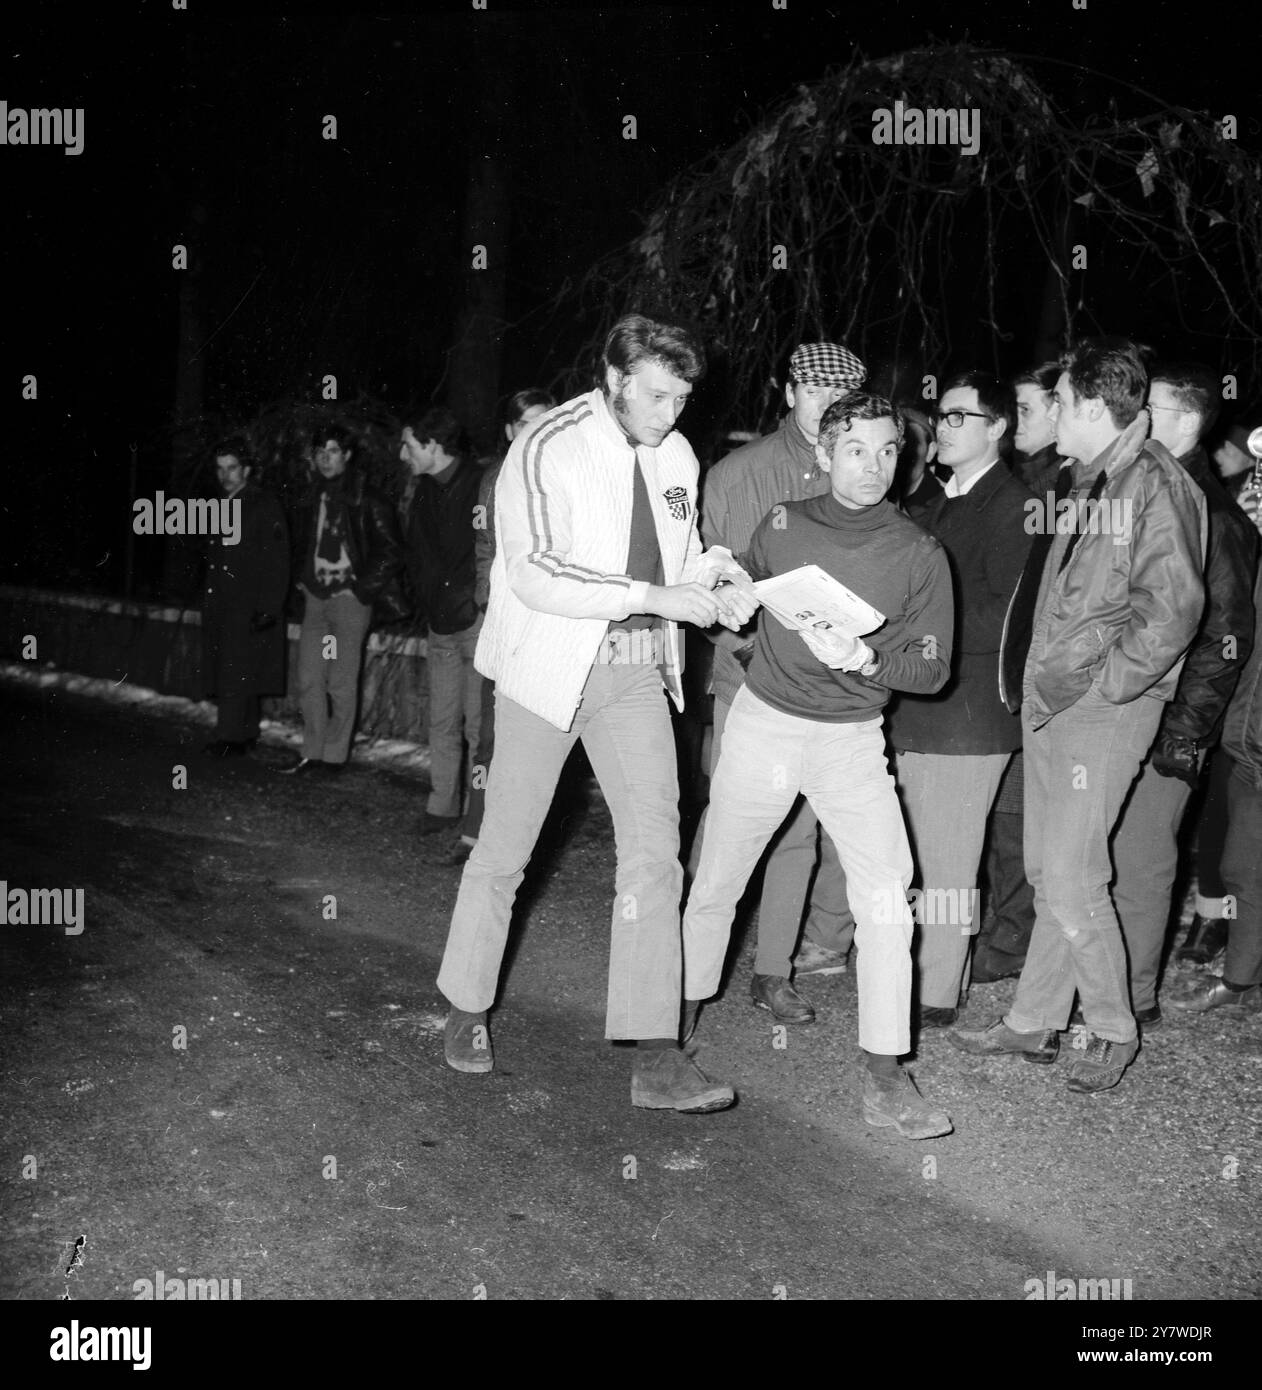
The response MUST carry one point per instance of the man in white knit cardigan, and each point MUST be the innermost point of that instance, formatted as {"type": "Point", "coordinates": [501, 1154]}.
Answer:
{"type": "Point", "coordinates": [597, 559]}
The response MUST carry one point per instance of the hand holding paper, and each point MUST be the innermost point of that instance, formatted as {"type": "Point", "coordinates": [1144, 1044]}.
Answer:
{"type": "Point", "coordinates": [810, 598]}
{"type": "Point", "coordinates": [837, 650]}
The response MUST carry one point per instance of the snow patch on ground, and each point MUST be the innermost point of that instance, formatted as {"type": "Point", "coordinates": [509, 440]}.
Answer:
{"type": "Point", "coordinates": [394, 754]}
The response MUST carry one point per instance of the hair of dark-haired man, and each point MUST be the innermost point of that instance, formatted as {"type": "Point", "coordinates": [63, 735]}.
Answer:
{"type": "Point", "coordinates": [1044, 376]}
{"type": "Point", "coordinates": [635, 339]}
{"type": "Point", "coordinates": [856, 405]}
{"type": "Point", "coordinates": [439, 424]}
{"type": "Point", "coordinates": [337, 430]}
{"type": "Point", "coordinates": [522, 401]}
{"type": "Point", "coordinates": [995, 398]}
{"type": "Point", "coordinates": [237, 446]}
{"type": "Point", "coordinates": [1111, 370]}
{"type": "Point", "coordinates": [1195, 387]}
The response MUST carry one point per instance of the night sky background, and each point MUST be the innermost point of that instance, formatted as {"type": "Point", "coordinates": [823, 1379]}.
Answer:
{"type": "Point", "coordinates": [350, 256]}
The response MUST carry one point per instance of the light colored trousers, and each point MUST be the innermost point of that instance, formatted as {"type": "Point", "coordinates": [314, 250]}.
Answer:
{"type": "Point", "coordinates": [1079, 767]}
{"type": "Point", "coordinates": [625, 728]}
{"type": "Point", "coordinates": [796, 849]}
{"type": "Point", "coordinates": [947, 800]}
{"type": "Point", "coordinates": [768, 758]}
{"type": "Point", "coordinates": [328, 687]}
{"type": "Point", "coordinates": [455, 715]}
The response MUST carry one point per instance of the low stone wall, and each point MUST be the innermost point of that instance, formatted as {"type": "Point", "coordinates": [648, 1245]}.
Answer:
{"type": "Point", "coordinates": [159, 645]}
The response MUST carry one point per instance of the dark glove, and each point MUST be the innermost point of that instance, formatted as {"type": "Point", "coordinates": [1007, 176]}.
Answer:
{"type": "Point", "coordinates": [744, 654]}
{"type": "Point", "coordinates": [260, 621]}
{"type": "Point", "coordinates": [1176, 756]}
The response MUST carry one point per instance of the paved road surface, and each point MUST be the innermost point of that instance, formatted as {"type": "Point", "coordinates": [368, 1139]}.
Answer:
{"type": "Point", "coordinates": [312, 1046]}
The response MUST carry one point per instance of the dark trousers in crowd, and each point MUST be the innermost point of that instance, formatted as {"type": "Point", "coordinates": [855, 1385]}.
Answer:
{"type": "Point", "coordinates": [472, 823]}
{"type": "Point", "coordinates": [238, 718]}
{"type": "Point", "coordinates": [1211, 836]}
{"type": "Point", "coordinates": [1242, 879]}
{"type": "Point", "coordinates": [1008, 918]}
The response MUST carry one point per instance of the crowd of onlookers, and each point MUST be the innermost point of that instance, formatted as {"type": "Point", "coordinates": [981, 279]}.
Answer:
{"type": "Point", "coordinates": [342, 559]}
{"type": "Point", "coordinates": [1067, 588]}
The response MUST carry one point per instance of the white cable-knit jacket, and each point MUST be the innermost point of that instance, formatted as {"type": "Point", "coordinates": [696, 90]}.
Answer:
{"type": "Point", "coordinates": [562, 529]}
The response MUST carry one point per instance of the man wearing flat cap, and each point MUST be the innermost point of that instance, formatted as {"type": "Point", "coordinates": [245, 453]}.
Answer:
{"type": "Point", "coordinates": [738, 493]}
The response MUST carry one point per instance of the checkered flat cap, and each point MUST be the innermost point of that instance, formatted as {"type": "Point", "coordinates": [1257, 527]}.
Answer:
{"type": "Point", "coordinates": [828, 364]}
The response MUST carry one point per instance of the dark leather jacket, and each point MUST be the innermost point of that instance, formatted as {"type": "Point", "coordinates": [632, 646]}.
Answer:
{"type": "Point", "coordinates": [1214, 663]}
{"type": "Point", "coordinates": [1124, 609]}
{"type": "Point", "coordinates": [373, 543]}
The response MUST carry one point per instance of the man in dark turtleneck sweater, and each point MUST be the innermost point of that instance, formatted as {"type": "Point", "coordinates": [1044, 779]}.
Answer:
{"type": "Point", "coordinates": [808, 721]}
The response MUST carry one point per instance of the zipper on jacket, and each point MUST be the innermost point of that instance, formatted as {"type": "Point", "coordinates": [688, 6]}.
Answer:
{"type": "Point", "coordinates": [1003, 642]}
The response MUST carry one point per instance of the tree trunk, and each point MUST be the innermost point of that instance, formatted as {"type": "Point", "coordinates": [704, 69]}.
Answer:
{"type": "Point", "coordinates": [473, 372]}
{"type": "Point", "coordinates": [181, 556]}
{"type": "Point", "coordinates": [475, 361]}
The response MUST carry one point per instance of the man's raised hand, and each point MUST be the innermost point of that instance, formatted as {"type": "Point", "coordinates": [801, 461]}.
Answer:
{"type": "Point", "coordinates": [737, 601]}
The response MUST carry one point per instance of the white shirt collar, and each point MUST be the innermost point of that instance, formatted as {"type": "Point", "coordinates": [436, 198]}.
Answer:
{"type": "Point", "coordinates": [953, 489]}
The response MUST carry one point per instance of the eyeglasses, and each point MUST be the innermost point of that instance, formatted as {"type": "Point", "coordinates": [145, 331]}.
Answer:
{"type": "Point", "coordinates": [955, 418]}
{"type": "Point", "coordinates": [1177, 409]}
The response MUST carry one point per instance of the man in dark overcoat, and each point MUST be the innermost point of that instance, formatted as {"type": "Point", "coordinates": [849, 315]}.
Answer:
{"type": "Point", "coordinates": [243, 625]}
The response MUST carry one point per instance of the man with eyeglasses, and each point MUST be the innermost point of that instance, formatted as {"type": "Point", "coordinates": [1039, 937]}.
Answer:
{"type": "Point", "coordinates": [951, 746]}
{"type": "Point", "coordinates": [739, 492]}
{"type": "Point", "coordinates": [1183, 403]}
{"type": "Point", "coordinates": [1119, 601]}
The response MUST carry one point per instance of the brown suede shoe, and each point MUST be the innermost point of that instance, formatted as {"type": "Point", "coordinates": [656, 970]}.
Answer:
{"type": "Point", "coordinates": [667, 1078]}
{"type": "Point", "coordinates": [1098, 1065]}
{"type": "Point", "coordinates": [895, 1101]}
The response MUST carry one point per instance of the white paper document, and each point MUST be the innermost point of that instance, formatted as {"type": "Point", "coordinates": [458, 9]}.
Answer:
{"type": "Point", "coordinates": [810, 598]}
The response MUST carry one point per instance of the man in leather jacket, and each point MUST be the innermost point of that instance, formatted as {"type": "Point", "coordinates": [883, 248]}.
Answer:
{"type": "Point", "coordinates": [347, 558]}
{"type": "Point", "coordinates": [1183, 403]}
{"type": "Point", "coordinates": [1118, 603]}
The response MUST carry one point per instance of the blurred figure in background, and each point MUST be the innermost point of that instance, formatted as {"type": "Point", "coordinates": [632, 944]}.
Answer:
{"type": "Point", "coordinates": [439, 540]}
{"type": "Point", "coordinates": [916, 486]}
{"type": "Point", "coordinates": [243, 627]}
{"type": "Point", "coordinates": [1038, 461]}
{"type": "Point", "coordinates": [346, 558]}
{"type": "Point", "coordinates": [523, 409]}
